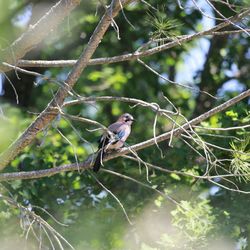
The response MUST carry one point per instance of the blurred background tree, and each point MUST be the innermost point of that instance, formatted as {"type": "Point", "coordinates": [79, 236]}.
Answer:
{"type": "Point", "coordinates": [208, 216]}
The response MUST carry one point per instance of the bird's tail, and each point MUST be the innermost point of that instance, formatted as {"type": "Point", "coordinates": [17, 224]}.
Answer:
{"type": "Point", "coordinates": [98, 161]}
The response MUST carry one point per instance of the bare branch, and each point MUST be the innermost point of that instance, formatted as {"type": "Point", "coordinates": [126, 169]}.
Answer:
{"type": "Point", "coordinates": [135, 55]}
{"type": "Point", "coordinates": [115, 197]}
{"type": "Point", "coordinates": [223, 129]}
{"type": "Point", "coordinates": [173, 82]}
{"type": "Point", "coordinates": [89, 161]}
{"type": "Point", "coordinates": [142, 184]}
{"type": "Point", "coordinates": [29, 217]}
{"type": "Point", "coordinates": [42, 77]}
{"type": "Point", "coordinates": [153, 106]}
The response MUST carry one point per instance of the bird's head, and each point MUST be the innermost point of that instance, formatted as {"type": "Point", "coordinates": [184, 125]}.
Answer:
{"type": "Point", "coordinates": [127, 118]}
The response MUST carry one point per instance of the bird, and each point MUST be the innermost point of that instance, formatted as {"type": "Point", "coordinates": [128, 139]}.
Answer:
{"type": "Point", "coordinates": [114, 138]}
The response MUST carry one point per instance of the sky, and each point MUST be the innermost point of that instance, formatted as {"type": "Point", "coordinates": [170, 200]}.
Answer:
{"type": "Point", "coordinates": [195, 58]}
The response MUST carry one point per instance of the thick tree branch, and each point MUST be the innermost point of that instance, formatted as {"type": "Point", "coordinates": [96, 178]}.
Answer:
{"type": "Point", "coordinates": [36, 33]}
{"type": "Point", "coordinates": [137, 54]}
{"type": "Point", "coordinates": [47, 116]}
{"type": "Point", "coordinates": [88, 162]}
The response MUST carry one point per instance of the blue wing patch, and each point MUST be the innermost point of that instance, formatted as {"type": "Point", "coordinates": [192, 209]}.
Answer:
{"type": "Point", "coordinates": [120, 134]}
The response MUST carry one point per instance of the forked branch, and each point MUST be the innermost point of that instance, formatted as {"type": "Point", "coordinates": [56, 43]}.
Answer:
{"type": "Point", "coordinates": [47, 116]}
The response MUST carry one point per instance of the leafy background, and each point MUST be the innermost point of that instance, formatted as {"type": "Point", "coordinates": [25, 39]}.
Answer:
{"type": "Point", "coordinates": [215, 218]}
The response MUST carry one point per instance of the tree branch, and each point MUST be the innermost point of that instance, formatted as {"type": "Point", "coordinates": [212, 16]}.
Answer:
{"type": "Point", "coordinates": [153, 106]}
{"type": "Point", "coordinates": [47, 116]}
{"type": "Point", "coordinates": [89, 161]}
{"type": "Point", "coordinates": [135, 55]}
{"type": "Point", "coordinates": [36, 33]}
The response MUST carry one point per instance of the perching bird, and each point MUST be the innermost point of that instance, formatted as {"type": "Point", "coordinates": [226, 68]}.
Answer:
{"type": "Point", "coordinates": [114, 138]}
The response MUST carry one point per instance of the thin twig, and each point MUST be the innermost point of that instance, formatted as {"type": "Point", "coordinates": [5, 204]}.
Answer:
{"type": "Point", "coordinates": [114, 196]}
{"type": "Point", "coordinates": [89, 161]}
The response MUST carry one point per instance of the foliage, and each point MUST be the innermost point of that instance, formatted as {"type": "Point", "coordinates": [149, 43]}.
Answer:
{"type": "Point", "coordinates": [195, 221]}
{"type": "Point", "coordinates": [241, 163]}
{"type": "Point", "coordinates": [162, 26]}
{"type": "Point", "coordinates": [205, 213]}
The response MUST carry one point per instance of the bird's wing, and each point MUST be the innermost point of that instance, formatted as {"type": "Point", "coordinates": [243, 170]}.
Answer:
{"type": "Point", "coordinates": [121, 134]}
{"type": "Point", "coordinates": [106, 138]}
{"type": "Point", "coordinates": [115, 127]}
{"type": "Point", "coordinates": [119, 129]}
